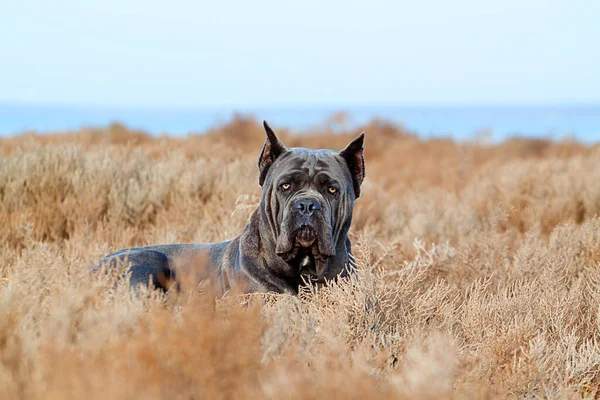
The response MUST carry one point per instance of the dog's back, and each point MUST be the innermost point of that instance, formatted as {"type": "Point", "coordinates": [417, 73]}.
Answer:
{"type": "Point", "coordinates": [164, 265]}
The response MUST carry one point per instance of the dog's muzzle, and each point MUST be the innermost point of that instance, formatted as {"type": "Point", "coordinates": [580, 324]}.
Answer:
{"type": "Point", "coordinates": [306, 256]}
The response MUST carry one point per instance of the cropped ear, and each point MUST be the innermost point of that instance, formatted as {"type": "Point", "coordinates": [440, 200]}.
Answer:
{"type": "Point", "coordinates": [272, 149]}
{"type": "Point", "coordinates": [353, 154]}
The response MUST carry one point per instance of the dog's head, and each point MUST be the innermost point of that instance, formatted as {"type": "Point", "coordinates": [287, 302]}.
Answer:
{"type": "Point", "coordinates": [307, 203]}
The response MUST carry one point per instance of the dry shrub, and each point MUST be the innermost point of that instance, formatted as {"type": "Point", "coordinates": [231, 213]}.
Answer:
{"type": "Point", "coordinates": [478, 274]}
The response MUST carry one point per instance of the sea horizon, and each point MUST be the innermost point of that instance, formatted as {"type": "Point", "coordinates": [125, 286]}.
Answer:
{"type": "Point", "coordinates": [460, 122]}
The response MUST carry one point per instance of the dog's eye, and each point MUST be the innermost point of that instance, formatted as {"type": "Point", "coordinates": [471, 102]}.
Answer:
{"type": "Point", "coordinates": [285, 187]}
{"type": "Point", "coordinates": [332, 190]}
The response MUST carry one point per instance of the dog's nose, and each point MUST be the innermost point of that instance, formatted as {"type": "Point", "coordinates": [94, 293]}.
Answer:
{"type": "Point", "coordinates": [307, 206]}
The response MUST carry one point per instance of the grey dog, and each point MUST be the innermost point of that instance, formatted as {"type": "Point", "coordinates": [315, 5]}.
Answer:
{"type": "Point", "coordinates": [298, 235]}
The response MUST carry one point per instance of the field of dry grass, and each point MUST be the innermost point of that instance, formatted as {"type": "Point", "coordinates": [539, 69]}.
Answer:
{"type": "Point", "coordinates": [479, 272]}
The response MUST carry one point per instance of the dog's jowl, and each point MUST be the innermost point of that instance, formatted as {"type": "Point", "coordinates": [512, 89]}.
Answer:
{"type": "Point", "coordinates": [298, 234]}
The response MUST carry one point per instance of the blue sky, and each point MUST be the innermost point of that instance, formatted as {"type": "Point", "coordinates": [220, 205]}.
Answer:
{"type": "Point", "coordinates": [275, 53]}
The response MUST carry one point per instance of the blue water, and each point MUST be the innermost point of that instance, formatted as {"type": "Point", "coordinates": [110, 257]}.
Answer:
{"type": "Point", "coordinates": [580, 122]}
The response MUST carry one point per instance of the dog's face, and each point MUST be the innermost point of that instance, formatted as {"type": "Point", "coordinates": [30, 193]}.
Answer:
{"type": "Point", "coordinates": [308, 198]}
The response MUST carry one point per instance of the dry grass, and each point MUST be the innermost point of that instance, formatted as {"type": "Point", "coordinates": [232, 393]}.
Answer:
{"type": "Point", "coordinates": [479, 272]}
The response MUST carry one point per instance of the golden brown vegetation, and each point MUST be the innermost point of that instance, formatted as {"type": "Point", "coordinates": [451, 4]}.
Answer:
{"type": "Point", "coordinates": [479, 272]}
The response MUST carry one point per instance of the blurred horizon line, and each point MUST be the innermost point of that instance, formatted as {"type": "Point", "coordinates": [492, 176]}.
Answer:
{"type": "Point", "coordinates": [458, 121]}
{"type": "Point", "coordinates": [337, 106]}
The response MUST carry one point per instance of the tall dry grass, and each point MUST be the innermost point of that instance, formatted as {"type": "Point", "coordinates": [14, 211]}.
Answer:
{"type": "Point", "coordinates": [479, 272]}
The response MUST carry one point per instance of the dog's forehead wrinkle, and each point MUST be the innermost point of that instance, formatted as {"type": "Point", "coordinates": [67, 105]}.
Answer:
{"type": "Point", "coordinates": [310, 169]}
{"type": "Point", "coordinates": [319, 154]}
{"type": "Point", "coordinates": [311, 162]}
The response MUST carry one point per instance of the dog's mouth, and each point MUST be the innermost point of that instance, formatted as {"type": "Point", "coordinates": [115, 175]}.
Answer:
{"type": "Point", "coordinates": [306, 257]}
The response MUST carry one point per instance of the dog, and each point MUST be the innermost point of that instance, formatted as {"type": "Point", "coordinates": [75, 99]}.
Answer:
{"type": "Point", "coordinates": [298, 235]}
